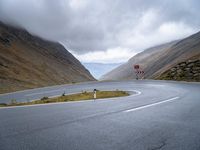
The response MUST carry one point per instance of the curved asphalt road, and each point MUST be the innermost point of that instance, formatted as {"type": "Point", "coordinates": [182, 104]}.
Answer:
{"type": "Point", "coordinates": [163, 115]}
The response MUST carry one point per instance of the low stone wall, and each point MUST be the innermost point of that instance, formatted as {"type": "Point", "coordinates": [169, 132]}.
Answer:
{"type": "Point", "coordinates": [184, 71]}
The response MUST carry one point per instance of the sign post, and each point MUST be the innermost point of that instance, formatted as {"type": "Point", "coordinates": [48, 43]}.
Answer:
{"type": "Point", "coordinates": [95, 93]}
{"type": "Point", "coordinates": [136, 67]}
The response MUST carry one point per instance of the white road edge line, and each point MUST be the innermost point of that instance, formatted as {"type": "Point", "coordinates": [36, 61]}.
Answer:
{"type": "Point", "coordinates": [137, 92]}
{"type": "Point", "coordinates": [69, 102]}
{"type": "Point", "coordinates": [150, 105]}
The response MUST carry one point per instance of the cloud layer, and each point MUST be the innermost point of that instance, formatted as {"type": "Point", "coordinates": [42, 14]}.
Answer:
{"type": "Point", "coordinates": [104, 30]}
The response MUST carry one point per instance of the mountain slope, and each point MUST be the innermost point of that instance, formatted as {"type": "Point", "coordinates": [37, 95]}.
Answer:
{"type": "Point", "coordinates": [183, 50]}
{"type": "Point", "coordinates": [28, 61]}
{"type": "Point", "coordinates": [158, 60]}
{"type": "Point", "coordinates": [126, 71]}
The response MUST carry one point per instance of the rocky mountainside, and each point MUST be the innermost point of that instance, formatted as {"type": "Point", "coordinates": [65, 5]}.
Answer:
{"type": "Point", "coordinates": [158, 60]}
{"type": "Point", "coordinates": [182, 51]}
{"type": "Point", "coordinates": [27, 61]}
{"type": "Point", "coordinates": [188, 71]}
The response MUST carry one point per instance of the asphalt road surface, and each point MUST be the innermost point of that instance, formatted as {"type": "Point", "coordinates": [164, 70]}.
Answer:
{"type": "Point", "coordinates": [161, 116]}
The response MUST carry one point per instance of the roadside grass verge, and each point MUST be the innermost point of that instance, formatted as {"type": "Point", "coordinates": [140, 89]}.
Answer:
{"type": "Point", "coordinates": [72, 97]}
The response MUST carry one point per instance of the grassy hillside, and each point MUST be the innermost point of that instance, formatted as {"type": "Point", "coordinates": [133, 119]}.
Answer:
{"type": "Point", "coordinates": [28, 61]}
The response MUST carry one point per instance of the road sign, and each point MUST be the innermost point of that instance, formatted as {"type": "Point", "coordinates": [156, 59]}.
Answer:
{"type": "Point", "coordinates": [138, 71]}
{"type": "Point", "coordinates": [136, 67]}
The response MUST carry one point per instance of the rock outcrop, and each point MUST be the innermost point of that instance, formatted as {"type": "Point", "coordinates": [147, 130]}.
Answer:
{"type": "Point", "coordinates": [184, 71]}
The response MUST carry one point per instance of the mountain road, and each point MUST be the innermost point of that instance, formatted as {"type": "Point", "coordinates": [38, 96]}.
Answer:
{"type": "Point", "coordinates": [160, 115]}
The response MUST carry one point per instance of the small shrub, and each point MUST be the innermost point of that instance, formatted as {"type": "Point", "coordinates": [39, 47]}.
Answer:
{"type": "Point", "coordinates": [63, 94]}
{"type": "Point", "coordinates": [44, 98]}
{"type": "Point", "coordinates": [3, 104]}
{"type": "Point", "coordinates": [84, 92]}
{"type": "Point", "coordinates": [13, 101]}
{"type": "Point", "coordinates": [124, 92]}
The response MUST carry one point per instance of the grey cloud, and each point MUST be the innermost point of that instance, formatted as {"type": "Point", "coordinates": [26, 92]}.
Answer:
{"type": "Point", "coordinates": [96, 25]}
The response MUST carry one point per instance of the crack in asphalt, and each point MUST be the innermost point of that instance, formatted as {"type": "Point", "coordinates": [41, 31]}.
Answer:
{"type": "Point", "coordinates": [158, 147]}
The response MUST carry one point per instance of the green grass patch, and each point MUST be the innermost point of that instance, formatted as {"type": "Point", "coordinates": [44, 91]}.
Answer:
{"type": "Point", "coordinates": [73, 97]}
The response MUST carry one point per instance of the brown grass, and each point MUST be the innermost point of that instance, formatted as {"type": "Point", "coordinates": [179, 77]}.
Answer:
{"type": "Point", "coordinates": [73, 97]}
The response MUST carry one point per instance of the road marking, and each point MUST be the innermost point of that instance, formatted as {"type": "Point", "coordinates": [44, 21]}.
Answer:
{"type": "Point", "coordinates": [150, 105]}
{"type": "Point", "coordinates": [69, 102]}
{"type": "Point", "coordinates": [137, 92]}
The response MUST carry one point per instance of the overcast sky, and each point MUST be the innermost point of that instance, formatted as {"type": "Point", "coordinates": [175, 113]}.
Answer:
{"type": "Point", "coordinates": [107, 31]}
